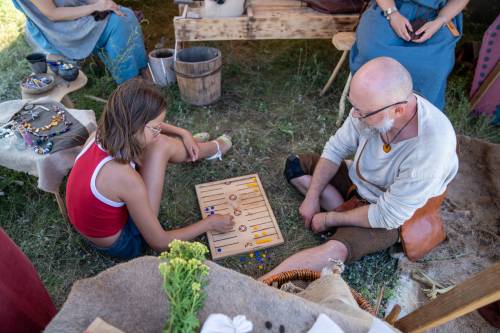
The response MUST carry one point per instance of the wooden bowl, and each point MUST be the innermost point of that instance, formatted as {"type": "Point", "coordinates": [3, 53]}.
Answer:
{"type": "Point", "coordinates": [307, 275]}
{"type": "Point", "coordinates": [37, 83]}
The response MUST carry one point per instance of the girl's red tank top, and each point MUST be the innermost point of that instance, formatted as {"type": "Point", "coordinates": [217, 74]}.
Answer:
{"type": "Point", "coordinates": [90, 212]}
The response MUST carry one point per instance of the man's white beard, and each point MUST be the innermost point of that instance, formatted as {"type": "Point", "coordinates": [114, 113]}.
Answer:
{"type": "Point", "coordinates": [385, 125]}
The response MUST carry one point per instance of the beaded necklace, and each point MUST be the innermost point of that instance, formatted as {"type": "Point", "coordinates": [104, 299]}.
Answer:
{"type": "Point", "coordinates": [28, 114]}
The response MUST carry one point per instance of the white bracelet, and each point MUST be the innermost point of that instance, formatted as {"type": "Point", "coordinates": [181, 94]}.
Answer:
{"type": "Point", "coordinates": [388, 12]}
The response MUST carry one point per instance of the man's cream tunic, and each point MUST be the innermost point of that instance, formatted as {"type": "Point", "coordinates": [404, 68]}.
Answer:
{"type": "Point", "coordinates": [401, 181]}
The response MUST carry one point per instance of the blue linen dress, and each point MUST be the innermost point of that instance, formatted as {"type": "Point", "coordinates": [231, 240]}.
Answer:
{"type": "Point", "coordinates": [429, 63]}
{"type": "Point", "coordinates": [117, 40]}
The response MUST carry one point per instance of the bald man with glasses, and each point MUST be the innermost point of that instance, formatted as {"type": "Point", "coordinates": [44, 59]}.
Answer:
{"type": "Point", "coordinates": [404, 152]}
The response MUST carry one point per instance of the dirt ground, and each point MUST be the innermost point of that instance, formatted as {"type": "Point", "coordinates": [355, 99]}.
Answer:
{"type": "Point", "coordinates": [471, 214]}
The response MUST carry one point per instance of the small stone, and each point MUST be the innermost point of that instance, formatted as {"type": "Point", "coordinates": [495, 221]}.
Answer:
{"type": "Point", "coordinates": [268, 325]}
{"type": "Point", "coordinates": [282, 329]}
{"type": "Point", "coordinates": [2, 193]}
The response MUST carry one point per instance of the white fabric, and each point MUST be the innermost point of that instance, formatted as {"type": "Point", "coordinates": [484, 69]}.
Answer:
{"type": "Point", "coordinates": [99, 196]}
{"type": "Point", "coordinates": [220, 323]}
{"type": "Point", "coordinates": [412, 172]}
{"type": "Point", "coordinates": [324, 324]}
{"type": "Point", "coordinates": [50, 169]}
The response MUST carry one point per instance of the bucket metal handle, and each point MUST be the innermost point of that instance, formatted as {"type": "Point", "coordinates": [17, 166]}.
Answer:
{"type": "Point", "coordinates": [199, 76]}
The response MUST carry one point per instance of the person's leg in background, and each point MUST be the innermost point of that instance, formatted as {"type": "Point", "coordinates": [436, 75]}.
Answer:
{"type": "Point", "coordinates": [121, 46]}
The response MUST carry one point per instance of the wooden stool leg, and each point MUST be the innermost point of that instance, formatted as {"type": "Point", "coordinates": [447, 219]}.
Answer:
{"type": "Point", "coordinates": [67, 102]}
{"type": "Point", "coordinates": [334, 73]}
{"type": "Point", "coordinates": [62, 206]}
{"type": "Point", "coordinates": [342, 100]}
{"type": "Point", "coordinates": [393, 315]}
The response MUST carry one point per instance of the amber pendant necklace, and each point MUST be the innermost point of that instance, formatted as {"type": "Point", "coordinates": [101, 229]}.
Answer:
{"type": "Point", "coordinates": [387, 143]}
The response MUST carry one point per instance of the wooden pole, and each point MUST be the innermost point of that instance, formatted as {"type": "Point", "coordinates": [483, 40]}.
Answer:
{"type": "Point", "coordinates": [62, 206]}
{"type": "Point", "coordinates": [478, 291]}
{"type": "Point", "coordinates": [334, 73]}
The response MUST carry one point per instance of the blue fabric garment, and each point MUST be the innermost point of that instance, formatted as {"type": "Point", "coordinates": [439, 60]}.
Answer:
{"type": "Point", "coordinates": [429, 63]}
{"type": "Point", "coordinates": [121, 46]}
{"type": "Point", "coordinates": [74, 39]}
{"type": "Point", "coordinates": [119, 43]}
{"type": "Point", "coordinates": [127, 246]}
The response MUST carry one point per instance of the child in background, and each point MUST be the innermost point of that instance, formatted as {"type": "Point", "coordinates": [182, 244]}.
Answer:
{"type": "Point", "coordinates": [114, 190]}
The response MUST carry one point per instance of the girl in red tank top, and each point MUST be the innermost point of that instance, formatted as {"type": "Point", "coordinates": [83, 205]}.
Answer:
{"type": "Point", "coordinates": [114, 190]}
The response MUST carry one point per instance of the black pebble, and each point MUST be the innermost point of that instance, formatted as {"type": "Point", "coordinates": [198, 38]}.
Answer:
{"type": "Point", "coordinates": [282, 329]}
{"type": "Point", "coordinates": [268, 324]}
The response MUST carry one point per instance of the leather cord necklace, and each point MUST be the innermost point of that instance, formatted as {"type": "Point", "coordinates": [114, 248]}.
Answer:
{"type": "Point", "coordinates": [387, 146]}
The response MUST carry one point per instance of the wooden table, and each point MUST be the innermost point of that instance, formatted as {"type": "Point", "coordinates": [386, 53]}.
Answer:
{"type": "Point", "coordinates": [264, 19]}
{"type": "Point", "coordinates": [61, 90]}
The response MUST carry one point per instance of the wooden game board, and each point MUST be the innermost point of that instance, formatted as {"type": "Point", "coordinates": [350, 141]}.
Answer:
{"type": "Point", "coordinates": [244, 198]}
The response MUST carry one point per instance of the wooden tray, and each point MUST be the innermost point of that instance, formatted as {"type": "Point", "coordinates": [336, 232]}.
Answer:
{"type": "Point", "coordinates": [244, 198]}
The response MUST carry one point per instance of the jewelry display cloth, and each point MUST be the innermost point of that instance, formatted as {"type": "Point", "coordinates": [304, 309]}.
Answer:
{"type": "Point", "coordinates": [129, 296]}
{"type": "Point", "coordinates": [51, 168]}
{"type": "Point", "coordinates": [75, 136]}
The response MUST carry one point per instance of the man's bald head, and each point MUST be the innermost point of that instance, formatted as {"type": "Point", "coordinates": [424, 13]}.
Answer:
{"type": "Point", "coordinates": [379, 82]}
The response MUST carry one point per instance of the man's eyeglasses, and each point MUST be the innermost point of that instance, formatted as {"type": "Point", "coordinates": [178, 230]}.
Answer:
{"type": "Point", "coordinates": [156, 130]}
{"type": "Point", "coordinates": [369, 114]}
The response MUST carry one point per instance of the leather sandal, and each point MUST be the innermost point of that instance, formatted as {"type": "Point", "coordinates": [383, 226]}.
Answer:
{"type": "Point", "coordinates": [218, 155]}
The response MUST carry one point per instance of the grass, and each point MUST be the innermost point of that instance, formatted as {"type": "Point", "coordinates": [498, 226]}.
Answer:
{"type": "Point", "coordinates": [270, 106]}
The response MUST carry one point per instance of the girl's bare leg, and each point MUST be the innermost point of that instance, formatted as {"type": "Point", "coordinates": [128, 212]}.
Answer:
{"type": "Point", "coordinates": [162, 151]}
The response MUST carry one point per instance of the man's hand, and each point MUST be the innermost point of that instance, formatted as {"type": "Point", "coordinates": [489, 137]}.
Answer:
{"type": "Point", "coordinates": [220, 223]}
{"type": "Point", "coordinates": [429, 29]}
{"type": "Point", "coordinates": [319, 223]}
{"type": "Point", "coordinates": [308, 208]}
{"type": "Point", "coordinates": [103, 5]}
{"type": "Point", "coordinates": [191, 146]}
{"type": "Point", "coordinates": [400, 25]}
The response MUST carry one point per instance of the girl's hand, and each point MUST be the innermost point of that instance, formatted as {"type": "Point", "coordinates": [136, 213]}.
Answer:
{"type": "Point", "coordinates": [103, 5]}
{"type": "Point", "coordinates": [400, 25]}
{"type": "Point", "coordinates": [191, 146]}
{"type": "Point", "coordinates": [429, 29]}
{"type": "Point", "coordinates": [220, 223]}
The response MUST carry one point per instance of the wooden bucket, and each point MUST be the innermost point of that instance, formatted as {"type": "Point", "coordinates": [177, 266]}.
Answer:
{"type": "Point", "coordinates": [198, 75]}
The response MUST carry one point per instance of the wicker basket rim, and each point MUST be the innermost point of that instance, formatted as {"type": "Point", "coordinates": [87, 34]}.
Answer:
{"type": "Point", "coordinates": [311, 275]}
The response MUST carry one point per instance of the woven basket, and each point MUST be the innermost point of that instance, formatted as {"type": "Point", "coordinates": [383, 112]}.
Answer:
{"type": "Point", "coordinates": [308, 275]}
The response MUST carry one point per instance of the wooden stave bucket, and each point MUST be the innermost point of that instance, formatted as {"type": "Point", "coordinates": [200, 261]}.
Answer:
{"type": "Point", "coordinates": [199, 81]}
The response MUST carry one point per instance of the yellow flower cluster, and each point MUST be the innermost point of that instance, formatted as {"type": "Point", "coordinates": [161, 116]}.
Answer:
{"type": "Point", "coordinates": [184, 276]}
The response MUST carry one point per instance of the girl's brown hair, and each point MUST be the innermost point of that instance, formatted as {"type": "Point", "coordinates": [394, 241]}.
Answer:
{"type": "Point", "coordinates": [129, 108]}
